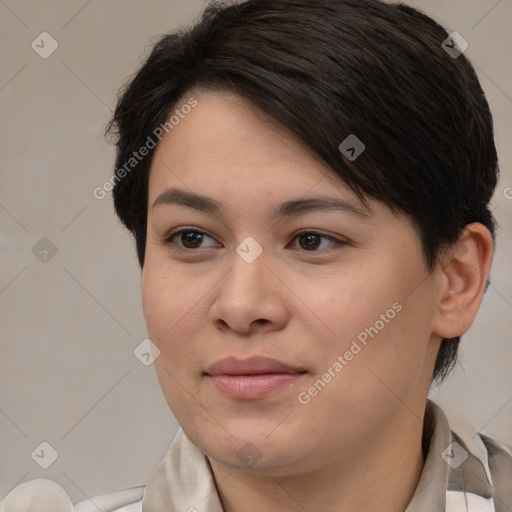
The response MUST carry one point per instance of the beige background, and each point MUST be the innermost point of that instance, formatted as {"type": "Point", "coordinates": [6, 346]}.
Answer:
{"type": "Point", "coordinates": [69, 325]}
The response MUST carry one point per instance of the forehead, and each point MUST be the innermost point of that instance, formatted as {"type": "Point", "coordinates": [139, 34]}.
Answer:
{"type": "Point", "coordinates": [225, 143]}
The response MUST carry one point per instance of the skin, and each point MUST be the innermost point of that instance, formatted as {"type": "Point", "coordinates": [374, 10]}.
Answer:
{"type": "Point", "coordinates": [357, 444]}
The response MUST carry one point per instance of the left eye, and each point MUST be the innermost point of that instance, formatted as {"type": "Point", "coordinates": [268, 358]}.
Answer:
{"type": "Point", "coordinates": [191, 239]}
{"type": "Point", "coordinates": [311, 239]}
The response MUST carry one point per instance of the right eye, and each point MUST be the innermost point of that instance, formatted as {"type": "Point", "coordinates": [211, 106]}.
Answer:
{"type": "Point", "coordinates": [189, 239]}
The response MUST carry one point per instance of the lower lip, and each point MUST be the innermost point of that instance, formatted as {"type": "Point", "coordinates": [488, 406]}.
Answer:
{"type": "Point", "coordinates": [252, 386]}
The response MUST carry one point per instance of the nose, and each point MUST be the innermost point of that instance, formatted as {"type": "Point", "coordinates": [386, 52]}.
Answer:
{"type": "Point", "coordinates": [249, 299]}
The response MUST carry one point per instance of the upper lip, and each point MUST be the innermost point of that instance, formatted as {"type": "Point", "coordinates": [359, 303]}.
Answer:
{"type": "Point", "coordinates": [251, 366]}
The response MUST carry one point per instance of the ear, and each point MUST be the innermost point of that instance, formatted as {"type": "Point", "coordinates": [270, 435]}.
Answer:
{"type": "Point", "coordinates": [462, 275]}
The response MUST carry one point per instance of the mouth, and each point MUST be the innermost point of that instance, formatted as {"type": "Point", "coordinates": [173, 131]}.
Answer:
{"type": "Point", "coordinates": [256, 365]}
{"type": "Point", "coordinates": [252, 378]}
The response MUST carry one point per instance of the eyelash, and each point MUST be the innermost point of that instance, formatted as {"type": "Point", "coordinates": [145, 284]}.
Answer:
{"type": "Point", "coordinates": [169, 239]}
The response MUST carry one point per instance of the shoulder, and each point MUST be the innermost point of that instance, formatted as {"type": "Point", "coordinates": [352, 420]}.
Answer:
{"type": "Point", "coordinates": [126, 500]}
{"type": "Point", "coordinates": [499, 457]}
{"type": "Point", "coordinates": [44, 495]}
{"type": "Point", "coordinates": [498, 451]}
{"type": "Point", "coordinates": [475, 470]}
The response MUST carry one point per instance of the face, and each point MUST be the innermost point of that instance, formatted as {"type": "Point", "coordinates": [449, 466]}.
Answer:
{"type": "Point", "coordinates": [339, 295]}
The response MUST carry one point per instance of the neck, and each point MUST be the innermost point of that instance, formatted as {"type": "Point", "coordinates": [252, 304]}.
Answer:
{"type": "Point", "coordinates": [382, 475]}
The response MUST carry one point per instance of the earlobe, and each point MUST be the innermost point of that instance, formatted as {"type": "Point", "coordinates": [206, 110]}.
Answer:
{"type": "Point", "coordinates": [463, 273]}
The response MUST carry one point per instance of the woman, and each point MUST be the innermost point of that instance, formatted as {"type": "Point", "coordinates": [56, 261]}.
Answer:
{"type": "Point", "coordinates": [308, 185]}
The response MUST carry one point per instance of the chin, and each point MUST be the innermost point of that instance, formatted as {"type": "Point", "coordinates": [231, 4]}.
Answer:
{"type": "Point", "coordinates": [251, 448]}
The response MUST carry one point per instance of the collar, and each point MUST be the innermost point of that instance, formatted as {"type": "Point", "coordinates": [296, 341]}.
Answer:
{"type": "Point", "coordinates": [455, 477]}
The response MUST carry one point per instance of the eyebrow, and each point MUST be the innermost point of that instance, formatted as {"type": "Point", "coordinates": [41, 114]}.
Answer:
{"type": "Point", "coordinates": [291, 208]}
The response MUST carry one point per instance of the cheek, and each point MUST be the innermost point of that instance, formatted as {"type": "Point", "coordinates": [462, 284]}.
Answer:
{"type": "Point", "coordinates": [175, 311]}
{"type": "Point", "coordinates": [172, 316]}
{"type": "Point", "coordinates": [168, 299]}
{"type": "Point", "coordinates": [158, 301]}
{"type": "Point", "coordinates": [343, 306]}
{"type": "Point", "coordinates": [373, 318]}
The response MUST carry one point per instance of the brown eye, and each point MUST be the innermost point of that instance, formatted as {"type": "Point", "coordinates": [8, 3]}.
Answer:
{"type": "Point", "coordinates": [311, 240]}
{"type": "Point", "coordinates": [189, 239]}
